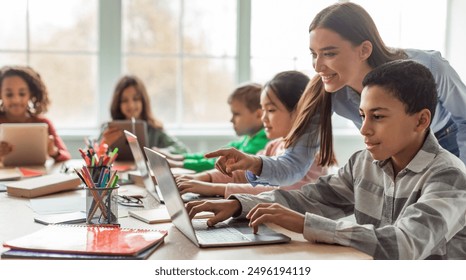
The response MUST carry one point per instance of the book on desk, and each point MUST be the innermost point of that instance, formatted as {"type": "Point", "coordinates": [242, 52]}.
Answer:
{"type": "Point", "coordinates": [42, 185]}
{"type": "Point", "coordinates": [85, 242]}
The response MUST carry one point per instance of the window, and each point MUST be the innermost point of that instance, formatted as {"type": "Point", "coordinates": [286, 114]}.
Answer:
{"type": "Point", "coordinates": [59, 40]}
{"type": "Point", "coordinates": [278, 43]}
{"type": "Point", "coordinates": [407, 26]}
{"type": "Point", "coordinates": [186, 51]}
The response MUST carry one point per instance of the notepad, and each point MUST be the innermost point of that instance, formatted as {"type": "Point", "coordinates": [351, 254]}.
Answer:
{"type": "Point", "coordinates": [88, 240]}
{"type": "Point", "coordinates": [61, 218]}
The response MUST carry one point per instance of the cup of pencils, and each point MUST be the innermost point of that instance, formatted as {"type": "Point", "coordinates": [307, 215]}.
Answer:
{"type": "Point", "coordinates": [100, 183]}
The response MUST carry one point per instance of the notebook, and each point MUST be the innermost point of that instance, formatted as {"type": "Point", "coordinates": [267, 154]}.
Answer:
{"type": "Point", "coordinates": [88, 240]}
{"type": "Point", "coordinates": [138, 128]}
{"type": "Point", "coordinates": [43, 185]}
{"type": "Point", "coordinates": [29, 142]}
{"type": "Point", "coordinates": [22, 254]}
{"type": "Point", "coordinates": [231, 233]}
{"type": "Point", "coordinates": [61, 218]}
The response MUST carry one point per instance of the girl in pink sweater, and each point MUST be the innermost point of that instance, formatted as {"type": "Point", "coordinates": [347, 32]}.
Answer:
{"type": "Point", "coordinates": [279, 100]}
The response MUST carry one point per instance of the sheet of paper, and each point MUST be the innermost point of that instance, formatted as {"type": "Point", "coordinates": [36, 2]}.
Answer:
{"type": "Point", "coordinates": [59, 203]}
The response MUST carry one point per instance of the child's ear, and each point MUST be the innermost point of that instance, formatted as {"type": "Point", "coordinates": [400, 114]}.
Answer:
{"type": "Point", "coordinates": [259, 113]}
{"type": "Point", "coordinates": [423, 121]}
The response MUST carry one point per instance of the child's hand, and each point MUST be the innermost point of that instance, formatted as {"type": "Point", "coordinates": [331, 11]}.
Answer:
{"type": "Point", "coordinates": [203, 176]}
{"type": "Point", "coordinates": [277, 214]}
{"type": "Point", "coordinates": [185, 177]}
{"type": "Point", "coordinates": [5, 148]}
{"type": "Point", "coordinates": [174, 163]}
{"type": "Point", "coordinates": [111, 135]}
{"type": "Point", "coordinates": [202, 188]}
{"type": "Point", "coordinates": [52, 150]}
{"type": "Point", "coordinates": [168, 155]}
{"type": "Point", "coordinates": [231, 159]}
{"type": "Point", "coordinates": [223, 209]}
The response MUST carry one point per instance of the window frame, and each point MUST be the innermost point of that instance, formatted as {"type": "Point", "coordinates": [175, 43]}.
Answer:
{"type": "Point", "coordinates": [110, 57]}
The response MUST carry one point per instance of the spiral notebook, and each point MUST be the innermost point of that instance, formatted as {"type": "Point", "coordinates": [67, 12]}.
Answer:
{"type": "Point", "coordinates": [82, 240]}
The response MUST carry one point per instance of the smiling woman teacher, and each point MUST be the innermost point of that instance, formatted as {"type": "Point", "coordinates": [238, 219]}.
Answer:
{"type": "Point", "coordinates": [346, 45]}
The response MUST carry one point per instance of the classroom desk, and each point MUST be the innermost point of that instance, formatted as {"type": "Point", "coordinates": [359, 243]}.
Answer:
{"type": "Point", "coordinates": [17, 219]}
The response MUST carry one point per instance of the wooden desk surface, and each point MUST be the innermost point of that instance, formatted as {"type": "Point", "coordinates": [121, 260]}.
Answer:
{"type": "Point", "coordinates": [17, 219]}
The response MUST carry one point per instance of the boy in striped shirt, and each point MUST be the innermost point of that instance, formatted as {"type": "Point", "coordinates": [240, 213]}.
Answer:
{"type": "Point", "coordinates": [407, 193]}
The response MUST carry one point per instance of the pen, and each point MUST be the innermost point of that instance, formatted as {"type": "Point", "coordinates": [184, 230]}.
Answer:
{"type": "Point", "coordinates": [80, 176]}
{"type": "Point", "coordinates": [133, 125]}
{"type": "Point", "coordinates": [101, 176]}
{"type": "Point", "coordinates": [109, 183]}
{"type": "Point", "coordinates": [115, 180]}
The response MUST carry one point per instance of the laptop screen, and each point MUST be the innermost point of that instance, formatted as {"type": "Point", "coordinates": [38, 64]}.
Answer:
{"type": "Point", "coordinates": [180, 218]}
{"type": "Point", "coordinates": [171, 195]}
{"type": "Point", "coordinates": [140, 162]}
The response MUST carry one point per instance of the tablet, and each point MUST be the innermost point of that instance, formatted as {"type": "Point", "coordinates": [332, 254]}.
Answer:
{"type": "Point", "coordinates": [138, 128]}
{"type": "Point", "coordinates": [29, 142]}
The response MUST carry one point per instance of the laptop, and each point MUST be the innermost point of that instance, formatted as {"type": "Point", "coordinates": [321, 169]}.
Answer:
{"type": "Point", "coordinates": [141, 165]}
{"type": "Point", "coordinates": [230, 233]}
{"type": "Point", "coordinates": [144, 171]}
{"type": "Point", "coordinates": [136, 127]}
{"type": "Point", "coordinates": [29, 140]}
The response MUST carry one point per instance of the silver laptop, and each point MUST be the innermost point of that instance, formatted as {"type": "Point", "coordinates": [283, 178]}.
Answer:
{"type": "Point", "coordinates": [29, 140]}
{"type": "Point", "coordinates": [230, 233]}
{"type": "Point", "coordinates": [141, 166]}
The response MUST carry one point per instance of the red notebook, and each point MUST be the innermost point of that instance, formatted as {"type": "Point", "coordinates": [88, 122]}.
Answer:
{"type": "Point", "coordinates": [94, 240]}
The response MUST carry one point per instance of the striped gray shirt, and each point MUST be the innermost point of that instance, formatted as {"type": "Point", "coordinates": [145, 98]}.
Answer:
{"type": "Point", "coordinates": [419, 214]}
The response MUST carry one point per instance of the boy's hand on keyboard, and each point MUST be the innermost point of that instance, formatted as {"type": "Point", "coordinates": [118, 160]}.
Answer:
{"type": "Point", "coordinates": [277, 214]}
{"type": "Point", "coordinates": [222, 209]}
{"type": "Point", "coordinates": [202, 188]}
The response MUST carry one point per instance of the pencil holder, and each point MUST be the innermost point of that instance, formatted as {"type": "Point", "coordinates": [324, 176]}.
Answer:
{"type": "Point", "coordinates": [102, 206]}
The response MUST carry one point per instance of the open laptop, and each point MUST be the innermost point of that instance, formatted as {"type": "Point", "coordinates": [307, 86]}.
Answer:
{"type": "Point", "coordinates": [136, 127]}
{"type": "Point", "coordinates": [230, 233]}
{"type": "Point", "coordinates": [145, 173]}
{"type": "Point", "coordinates": [29, 142]}
{"type": "Point", "coordinates": [141, 165]}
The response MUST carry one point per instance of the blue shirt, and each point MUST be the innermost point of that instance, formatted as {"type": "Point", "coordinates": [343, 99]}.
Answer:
{"type": "Point", "coordinates": [294, 163]}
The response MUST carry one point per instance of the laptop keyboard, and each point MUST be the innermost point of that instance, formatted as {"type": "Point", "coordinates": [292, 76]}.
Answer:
{"type": "Point", "coordinates": [221, 233]}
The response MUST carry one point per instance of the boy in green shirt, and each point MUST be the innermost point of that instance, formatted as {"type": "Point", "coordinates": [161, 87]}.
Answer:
{"type": "Point", "coordinates": [246, 118]}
